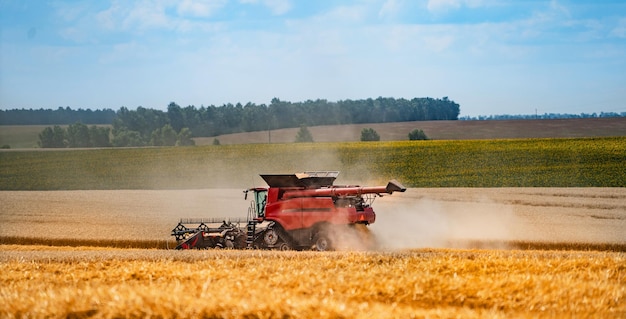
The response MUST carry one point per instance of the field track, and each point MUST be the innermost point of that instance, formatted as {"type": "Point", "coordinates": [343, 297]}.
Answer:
{"type": "Point", "coordinates": [523, 218]}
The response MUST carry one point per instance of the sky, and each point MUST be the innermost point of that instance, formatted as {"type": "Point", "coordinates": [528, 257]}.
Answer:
{"type": "Point", "coordinates": [490, 56]}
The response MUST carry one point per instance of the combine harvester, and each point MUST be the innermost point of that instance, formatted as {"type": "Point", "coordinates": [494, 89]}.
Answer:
{"type": "Point", "coordinates": [297, 212]}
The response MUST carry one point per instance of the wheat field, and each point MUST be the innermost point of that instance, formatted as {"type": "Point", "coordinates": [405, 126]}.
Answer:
{"type": "Point", "coordinates": [428, 264]}
{"type": "Point", "coordinates": [48, 282]}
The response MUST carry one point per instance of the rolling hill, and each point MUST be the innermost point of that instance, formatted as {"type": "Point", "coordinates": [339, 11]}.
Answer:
{"type": "Point", "coordinates": [26, 136]}
{"type": "Point", "coordinates": [441, 130]}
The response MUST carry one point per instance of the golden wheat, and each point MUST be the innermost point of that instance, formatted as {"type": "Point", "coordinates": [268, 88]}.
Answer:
{"type": "Point", "coordinates": [59, 283]}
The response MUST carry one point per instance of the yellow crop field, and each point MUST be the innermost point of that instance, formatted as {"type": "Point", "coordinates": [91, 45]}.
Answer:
{"type": "Point", "coordinates": [435, 283]}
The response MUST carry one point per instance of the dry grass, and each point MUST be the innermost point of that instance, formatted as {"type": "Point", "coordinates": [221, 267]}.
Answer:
{"type": "Point", "coordinates": [73, 243]}
{"type": "Point", "coordinates": [58, 283]}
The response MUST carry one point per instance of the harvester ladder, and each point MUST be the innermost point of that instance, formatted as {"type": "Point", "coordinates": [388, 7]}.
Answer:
{"type": "Point", "coordinates": [250, 234]}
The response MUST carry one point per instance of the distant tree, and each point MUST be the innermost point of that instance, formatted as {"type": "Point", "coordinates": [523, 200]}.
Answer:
{"type": "Point", "coordinates": [59, 136]}
{"type": "Point", "coordinates": [99, 136]}
{"type": "Point", "coordinates": [417, 135]}
{"type": "Point", "coordinates": [168, 135]}
{"type": "Point", "coordinates": [127, 138]}
{"type": "Point", "coordinates": [6, 146]}
{"type": "Point", "coordinates": [164, 136]}
{"type": "Point", "coordinates": [184, 138]}
{"type": "Point", "coordinates": [52, 137]}
{"type": "Point", "coordinates": [142, 120]}
{"type": "Point", "coordinates": [46, 138]}
{"type": "Point", "coordinates": [216, 141]}
{"type": "Point", "coordinates": [304, 136]}
{"type": "Point", "coordinates": [78, 135]}
{"type": "Point", "coordinates": [156, 138]}
{"type": "Point", "coordinates": [369, 134]}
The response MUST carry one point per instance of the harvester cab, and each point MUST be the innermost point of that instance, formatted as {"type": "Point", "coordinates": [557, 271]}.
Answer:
{"type": "Point", "coordinates": [257, 204]}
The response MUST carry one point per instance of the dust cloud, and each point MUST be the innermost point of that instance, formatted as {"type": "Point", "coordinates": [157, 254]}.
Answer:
{"type": "Point", "coordinates": [407, 222]}
{"type": "Point", "coordinates": [498, 217]}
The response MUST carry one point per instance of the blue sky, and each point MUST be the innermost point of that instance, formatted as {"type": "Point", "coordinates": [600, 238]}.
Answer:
{"type": "Point", "coordinates": [491, 57]}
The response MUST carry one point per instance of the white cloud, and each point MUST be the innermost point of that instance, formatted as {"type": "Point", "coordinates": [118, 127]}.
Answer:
{"type": "Point", "coordinates": [199, 8]}
{"type": "Point", "coordinates": [141, 16]}
{"type": "Point", "coordinates": [278, 7]}
{"type": "Point", "coordinates": [124, 53]}
{"type": "Point", "coordinates": [619, 30]}
{"type": "Point", "coordinates": [447, 5]}
{"type": "Point", "coordinates": [390, 8]}
{"type": "Point", "coordinates": [77, 35]}
{"type": "Point", "coordinates": [438, 43]}
{"type": "Point", "coordinates": [554, 14]}
{"type": "Point", "coordinates": [134, 16]}
{"type": "Point", "coordinates": [69, 12]}
{"type": "Point", "coordinates": [337, 17]}
{"type": "Point", "coordinates": [443, 5]}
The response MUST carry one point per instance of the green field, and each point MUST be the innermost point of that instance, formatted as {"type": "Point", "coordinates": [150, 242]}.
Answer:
{"type": "Point", "coordinates": [577, 162]}
{"type": "Point", "coordinates": [25, 136]}
{"type": "Point", "coordinates": [20, 136]}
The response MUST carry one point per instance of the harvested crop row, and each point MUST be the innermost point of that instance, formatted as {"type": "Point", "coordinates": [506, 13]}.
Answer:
{"type": "Point", "coordinates": [260, 284]}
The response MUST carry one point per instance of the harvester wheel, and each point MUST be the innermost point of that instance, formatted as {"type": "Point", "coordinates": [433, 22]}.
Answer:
{"type": "Point", "coordinates": [284, 246]}
{"type": "Point", "coordinates": [270, 237]}
{"type": "Point", "coordinates": [322, 242]}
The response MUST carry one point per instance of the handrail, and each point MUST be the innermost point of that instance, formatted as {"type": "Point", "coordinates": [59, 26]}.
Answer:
{"type": "Point", "coordinates": [212, 220]}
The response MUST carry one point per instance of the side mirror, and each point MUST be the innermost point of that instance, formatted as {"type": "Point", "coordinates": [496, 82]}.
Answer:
{"type": "Point", "coordinates": [245, 196]}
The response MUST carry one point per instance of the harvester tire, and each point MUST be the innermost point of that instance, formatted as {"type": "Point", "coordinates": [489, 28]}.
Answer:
{"type": "Point", "coordinates": [284, 246]}
{"type": "Point", "coordinates": [270, 237]}
{"type": "Point", "coordinates": [322, 242]}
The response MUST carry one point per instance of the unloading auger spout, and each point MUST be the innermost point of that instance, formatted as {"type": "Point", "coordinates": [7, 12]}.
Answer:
{"type": "Point", "coordinates": [339, 191]}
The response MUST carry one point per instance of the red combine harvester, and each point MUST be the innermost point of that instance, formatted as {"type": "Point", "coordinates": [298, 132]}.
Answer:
{"type": "Point", "coordinates": [297, 211]}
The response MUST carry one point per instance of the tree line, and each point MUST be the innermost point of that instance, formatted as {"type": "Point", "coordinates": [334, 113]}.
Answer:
{"type": "Point", "coordinates": [76, 135]}
{"type": "Point", "coordinates": [136, 127]}
{"type": "Point", "coordinates": [229, 118]}
{"type": "Point", "coordinates": [60, 116]}
{"type": "Point", "coordinates": [80, 135]}
{"type": "Point", "coordinates": [176, 126]}
{"type": "Point", "coordinates": [545, 116]}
